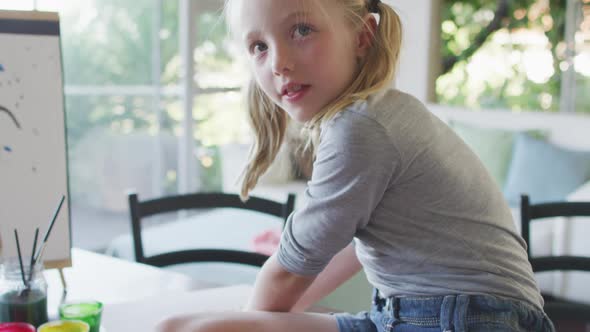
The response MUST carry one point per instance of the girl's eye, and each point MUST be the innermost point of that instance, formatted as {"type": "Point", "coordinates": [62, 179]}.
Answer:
{"type": "Point", "coordinates": [257, 48]}
{"type": "Point", "coordinates": [302, 30]}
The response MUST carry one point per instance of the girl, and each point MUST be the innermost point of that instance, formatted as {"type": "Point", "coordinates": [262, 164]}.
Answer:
{"type": "Point", "coordinates": [431, 229]}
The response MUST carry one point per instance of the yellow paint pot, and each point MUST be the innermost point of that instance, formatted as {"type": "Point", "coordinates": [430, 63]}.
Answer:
{"type": "Point", "coordinates": [64, 326]}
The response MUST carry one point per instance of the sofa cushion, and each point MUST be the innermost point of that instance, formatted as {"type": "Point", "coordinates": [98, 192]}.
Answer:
{"type": "Point", "coordinates": [493, 147]}
{"type": "Point", "coordinates": [544, 171]}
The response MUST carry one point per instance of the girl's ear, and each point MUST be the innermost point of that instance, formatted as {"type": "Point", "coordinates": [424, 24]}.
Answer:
{"type": "Point", "coordinates": [366, 35]}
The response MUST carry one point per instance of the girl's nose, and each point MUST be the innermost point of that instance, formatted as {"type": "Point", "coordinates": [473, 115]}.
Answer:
{"type": "Point", "coordinates": [282, 61]}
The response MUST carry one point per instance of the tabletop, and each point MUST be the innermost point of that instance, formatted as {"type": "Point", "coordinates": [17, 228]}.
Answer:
{"type": "Point", "coordinates": [137, 296]}
{"type": "Point", "coordinates": [144, 314]}
{"type": "Point", "coordinates": [112, 280]}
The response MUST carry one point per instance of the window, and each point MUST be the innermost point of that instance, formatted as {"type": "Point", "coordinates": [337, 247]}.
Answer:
{"type": "Point", "coordinates": [530, 55]}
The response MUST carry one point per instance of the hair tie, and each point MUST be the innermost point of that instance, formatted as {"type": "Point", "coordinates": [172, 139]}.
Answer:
{"type": "Point", "coordinates": [373, 6]}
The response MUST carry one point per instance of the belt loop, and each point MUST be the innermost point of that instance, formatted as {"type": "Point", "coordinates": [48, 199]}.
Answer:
{"type": "Point", "coordinates": [447, 312]}
{"type": "Point", "coordinates": [377, 300]}
{"type": "Point", "coordinates": [460, 317]}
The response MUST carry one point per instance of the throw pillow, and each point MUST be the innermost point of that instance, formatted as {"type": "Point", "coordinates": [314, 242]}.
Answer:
{"type": "Point", "coordinates": [493, 147]}
{"type": "Point", "coordinates": [544, 171]}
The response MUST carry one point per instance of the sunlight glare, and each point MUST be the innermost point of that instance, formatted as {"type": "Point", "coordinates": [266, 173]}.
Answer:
{"type": "Point", "coordinates": [16, 4]}
{"type": "Point", "coordinates": [582, 63]}
{"type": "Point", "coordinates": [538, 65]}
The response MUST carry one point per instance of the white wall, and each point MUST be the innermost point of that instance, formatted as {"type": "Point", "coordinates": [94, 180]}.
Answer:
{"type": "Point", "coordinates": [420, 57]}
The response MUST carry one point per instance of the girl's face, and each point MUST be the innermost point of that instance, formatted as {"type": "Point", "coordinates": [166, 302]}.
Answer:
{"type": "Point", "coordinates": [303, 56]}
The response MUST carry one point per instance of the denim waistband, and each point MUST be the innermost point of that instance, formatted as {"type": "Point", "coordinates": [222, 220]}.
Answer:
{"type": "Point", "coordinates": [455, 312]}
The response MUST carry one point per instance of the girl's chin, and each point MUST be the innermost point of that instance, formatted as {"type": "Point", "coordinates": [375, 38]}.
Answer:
{"type": "Point", "coordinates": [301, 115]}
{"type": "Point", "coordinates": [300, 119]}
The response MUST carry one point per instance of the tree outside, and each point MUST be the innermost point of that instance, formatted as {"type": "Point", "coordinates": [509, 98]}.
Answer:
{"type": "Point", "coordinates": [510, 54]}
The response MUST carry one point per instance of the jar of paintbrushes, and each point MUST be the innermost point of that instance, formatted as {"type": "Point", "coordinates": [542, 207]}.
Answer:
{"type": "Point", "coordinates": [22, 301]}
{"type": "Point", "coordinates": [23, 289]}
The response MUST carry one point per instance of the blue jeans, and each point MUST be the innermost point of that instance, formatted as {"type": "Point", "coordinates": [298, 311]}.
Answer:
{"type": "Point", "coordinates": [457, 313]}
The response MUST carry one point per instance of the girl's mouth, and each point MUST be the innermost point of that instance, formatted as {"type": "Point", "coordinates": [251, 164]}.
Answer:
{"type": "Point", "coordinates": [294, 92]}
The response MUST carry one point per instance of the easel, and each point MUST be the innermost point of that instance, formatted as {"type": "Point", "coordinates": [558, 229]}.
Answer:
{"type": "Point", "coordinates": [60, 266]}
{"type": "Point", "coordinates": [41, 32]}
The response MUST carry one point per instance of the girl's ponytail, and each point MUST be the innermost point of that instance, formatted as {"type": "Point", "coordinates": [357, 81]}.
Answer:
{"type": "Point", "coordinates": [382, 61]}
{"type": "Point", "coordinates": [377, 69]}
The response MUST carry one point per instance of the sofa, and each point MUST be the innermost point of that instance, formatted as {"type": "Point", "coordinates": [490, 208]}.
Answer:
{"type": "Point", "coordinates": [533, 153]}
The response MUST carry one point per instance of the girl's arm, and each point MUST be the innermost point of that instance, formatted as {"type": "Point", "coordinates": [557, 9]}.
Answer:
{"type": "Point", "coordinates": [341, 268]}
{"type": "Point", "coordinates": [277, 289]}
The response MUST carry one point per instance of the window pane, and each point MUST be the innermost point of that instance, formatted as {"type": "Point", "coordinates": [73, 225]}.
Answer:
{"type": "Point", "coordinates": [113, 142]}
{"type": "Point", "coordinates": [582, 62]}
{"type": "Point", "coordinates": [169, 43]}
{"type": "Point", "coordinates": [220, 119]}
{"type": "Point", "coordinates": [215, 59]}
{"type": "Point", "coordinates": [516, 67]}
{"type": "Point", "coordinates": [105, 42]}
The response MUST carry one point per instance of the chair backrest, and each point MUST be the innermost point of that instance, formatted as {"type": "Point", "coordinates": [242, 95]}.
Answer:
{"type": "Point", "coordinates": [141, 209]}
{"type": "Point", "coordinates": [530, 212]}
{"type": "Point", "coordinates": [567, 315]}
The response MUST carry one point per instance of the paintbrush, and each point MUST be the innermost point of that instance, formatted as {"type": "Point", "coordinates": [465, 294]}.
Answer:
{"type": "Point", "coordinates": [44, 243]}
{"type": "Point", "coordinates": [20, 261]}
{"type": "Point", "coordinates": [32, 263]}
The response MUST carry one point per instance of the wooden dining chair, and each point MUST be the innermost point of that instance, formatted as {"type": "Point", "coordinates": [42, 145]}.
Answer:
{"type": "Point", "coordinates": [569, 315]}
{"type": "Point", "coordinates": [142, 209]}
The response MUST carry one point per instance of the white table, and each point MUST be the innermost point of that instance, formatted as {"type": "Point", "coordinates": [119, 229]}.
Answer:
{"type": "Point", "coordinates": [137, 296]}
{"type": "Point", "coordinates": [143, 315]}
{"type": "Point", "coordinates": [111, 280]}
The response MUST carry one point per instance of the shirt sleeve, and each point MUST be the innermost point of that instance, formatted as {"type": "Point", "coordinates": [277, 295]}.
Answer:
{"type": "Point", "coordinates": [354, 164]}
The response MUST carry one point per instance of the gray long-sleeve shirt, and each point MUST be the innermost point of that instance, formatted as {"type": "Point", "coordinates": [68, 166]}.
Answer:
{"type": "Point", "coordinates": [427, 217]}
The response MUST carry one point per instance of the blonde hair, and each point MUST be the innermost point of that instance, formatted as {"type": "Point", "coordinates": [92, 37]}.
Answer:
{"type": "Point", "coordinates": [376, 72]}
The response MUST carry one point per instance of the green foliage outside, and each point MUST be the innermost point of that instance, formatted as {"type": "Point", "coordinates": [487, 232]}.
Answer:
{"type": "Point", "coordinates": [493, 68]}
{"type": "Point", "coordinates": [113, 46]}
{"type": "Point", "coordinates": [110, 43]}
